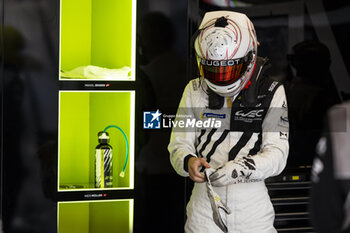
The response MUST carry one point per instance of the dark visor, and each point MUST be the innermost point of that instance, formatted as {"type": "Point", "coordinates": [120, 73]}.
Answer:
{"type": "Point", "coordinates": [224, 72]}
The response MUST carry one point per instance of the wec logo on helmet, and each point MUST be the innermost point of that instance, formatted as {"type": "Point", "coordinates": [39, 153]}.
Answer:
{"type": "Point", "coordinates": [250, 114]}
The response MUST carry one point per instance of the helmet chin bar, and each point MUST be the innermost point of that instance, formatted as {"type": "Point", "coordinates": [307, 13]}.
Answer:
{"type": "Point", "coordinates": [226, 91]}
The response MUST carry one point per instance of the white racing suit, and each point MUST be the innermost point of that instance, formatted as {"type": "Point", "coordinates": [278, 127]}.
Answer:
{"type": "Point", "coordinates": [259, 132]}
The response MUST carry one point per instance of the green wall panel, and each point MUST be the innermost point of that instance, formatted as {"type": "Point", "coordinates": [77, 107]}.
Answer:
{"type": "Point", "coordinates": [96, 32]}
{"type": "Point", "coordinates": [74, 137]}
{"type": "Point", "coordinates": [109, 217]}
{"type": "Point", "coordinates": [73, 218]}
{"type": "Point", "coordinates": [111, 33]}
{"type": "Point", "coordinates": [75, 33]}
{"type": "Point", "coordinates": [82, 116]}
{"type": "Point", "coordinates": [95, 217]}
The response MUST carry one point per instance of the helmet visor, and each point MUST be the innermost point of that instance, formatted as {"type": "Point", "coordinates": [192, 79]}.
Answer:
{"type": "Point", "coordinates": [224, 72]}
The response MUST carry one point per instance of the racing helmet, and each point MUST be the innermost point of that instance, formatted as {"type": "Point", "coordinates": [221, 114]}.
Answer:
{"type": "Point", "coordinates": [226, 51]}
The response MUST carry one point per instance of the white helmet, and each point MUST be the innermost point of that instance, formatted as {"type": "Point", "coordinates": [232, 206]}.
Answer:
{"type": "Point", "coordinates": [226, 50]}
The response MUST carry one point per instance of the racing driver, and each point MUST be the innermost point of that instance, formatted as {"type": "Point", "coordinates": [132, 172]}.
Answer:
{"type": "Point", "coordinates": [250, 145]}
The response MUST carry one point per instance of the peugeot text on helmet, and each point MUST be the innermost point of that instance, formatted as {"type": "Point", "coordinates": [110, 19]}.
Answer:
{"type": "Point", "coordinates": [226, 51]}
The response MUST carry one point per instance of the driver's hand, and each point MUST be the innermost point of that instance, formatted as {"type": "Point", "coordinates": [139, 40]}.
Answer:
{"type": "Point", "coordinates": [194, 165]}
